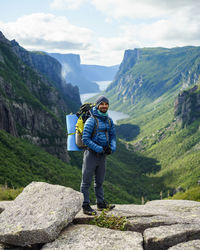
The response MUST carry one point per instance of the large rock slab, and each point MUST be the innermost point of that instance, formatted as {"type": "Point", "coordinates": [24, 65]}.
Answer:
{"type": "Point", "coordinates": [139, 224]}
{"type": "Point", "coordinates": [152, 214]}
{"type": "Point", "coordinates": [163, 237]}
{"type": "Point", "coordinates": [90, 237]}
{"type": "Point", "coordinates": [38, 214]}
{"type": "Point", "coordinates": [184, 210]}
{"type": "Point", "coordinates": [129, 211]}
{"type": "Point", "coordinates": [190, 245]}
{"type": "Point", "coordinates": [163, 223]}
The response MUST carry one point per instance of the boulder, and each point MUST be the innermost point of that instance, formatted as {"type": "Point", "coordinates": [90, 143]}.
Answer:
{"type": "Point", "coordinates": [163, 237]}
{"type": "Point", "coordinates": [39, 214]}
{"type": "Point", "coordinates": [192, 245]}
{"type": "Point", "coordinates": [139, 224]}
{"type": "Point", "coordinates": [184, 210]}
{"type": "Point", "coordinates": [92, 237]}
{"type": "Point", "coordinates": [163, 223]}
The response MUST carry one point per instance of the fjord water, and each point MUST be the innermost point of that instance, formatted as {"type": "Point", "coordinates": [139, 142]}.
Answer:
{"type": "Point", "coordinates": [115, 115]}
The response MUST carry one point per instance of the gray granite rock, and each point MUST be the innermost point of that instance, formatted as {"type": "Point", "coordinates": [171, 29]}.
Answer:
{"type": "Point", "coordinates": [190, 245]}
{"type": "Point", "coordinates": [129, 211]}
{"type": "Point", "coordinates": [152, 214]}
{"type": "Point", "coordinates": [184, 210]}
{"type": "Point", "coordinates": [164, 237]}
{"type": "Point", "coordinates": [139, 224]}
{"type": "Point", "coordinates": [4, 205]}
{"type": "Point", "coordinates": [163, 223]}
{"type": "Point", "coordinates": [92, 237]}
{"type": "Point", "coordinates": [38, 214]}
{"type": "Point", "coordinates": [172, 203]}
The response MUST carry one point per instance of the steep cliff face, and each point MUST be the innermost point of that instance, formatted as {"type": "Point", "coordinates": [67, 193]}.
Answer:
{"type": "Point", "coordinates": [31, 106]}
{"type": "Point", "coordinates": [147, 74]}
{"type": "Point", "coordinates": [187, 106]}
{"type": "Point", "coordinates": [50, 70]}
{"type": "Point", "coordinates": [72, 72]}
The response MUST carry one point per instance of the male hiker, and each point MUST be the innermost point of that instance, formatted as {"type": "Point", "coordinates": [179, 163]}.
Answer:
{"type": "Point", "coordinates": [99, 144]}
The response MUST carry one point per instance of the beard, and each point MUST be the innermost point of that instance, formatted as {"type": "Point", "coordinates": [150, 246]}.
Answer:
{"type": "Point", "coordinates": [103, 110]}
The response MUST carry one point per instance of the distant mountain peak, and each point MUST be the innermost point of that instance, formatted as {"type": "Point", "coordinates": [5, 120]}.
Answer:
{"type": "Point", "coordinates": [3, 39]}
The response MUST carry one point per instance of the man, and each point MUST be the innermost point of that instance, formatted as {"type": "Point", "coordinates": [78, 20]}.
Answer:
{"type": "Point", "coordinates": [100, 144]}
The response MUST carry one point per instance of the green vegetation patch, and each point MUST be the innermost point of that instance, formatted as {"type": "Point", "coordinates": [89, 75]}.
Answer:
{"type": "Point", "coordinates": [9, 193]}
{"type": "Point", "coordinates": [191, 194]}
{"type": "Point", "coordinates": [112, 222]}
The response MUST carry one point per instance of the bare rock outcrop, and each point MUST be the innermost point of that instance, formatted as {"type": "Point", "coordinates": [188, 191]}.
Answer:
{"type": "Point", "coordinates": [187, 106]}
{"type": "Point", "coordinates": [192, 245]}
{"type": "Point", "coordinates": [163, 223]}
{"type": "Point", "coordinates": [39, 214]}
{"type": "Point", "coordinates": [93, 237]}
{"type": "Point", "coordinates": [47, 216]}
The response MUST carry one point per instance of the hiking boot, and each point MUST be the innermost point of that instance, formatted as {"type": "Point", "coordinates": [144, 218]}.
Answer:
{"type": "Point", "coordinates": [88, 210]}
{"type": "Point", "coordinates": [104, 205]}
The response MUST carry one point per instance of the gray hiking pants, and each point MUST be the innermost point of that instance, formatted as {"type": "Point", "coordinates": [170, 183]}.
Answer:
{"type": "Point", "coordinates": [93, 165]}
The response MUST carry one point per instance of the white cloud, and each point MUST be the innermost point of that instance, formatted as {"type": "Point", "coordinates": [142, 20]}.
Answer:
{"type": "Point", "coordinates": [47, 32]}
{"type": "Point", "coordinates": [145, 9]}
{"type": "Point", "coordinates": [131, 8]}
{"type": "Point", "coordinates": [179, 30]}
{"type": "Point", "coordinates": [151, 22]}
{"type": "Point", "coordinates": [148, 23]}
{"type": "Point", "coordinates": [66, 4]}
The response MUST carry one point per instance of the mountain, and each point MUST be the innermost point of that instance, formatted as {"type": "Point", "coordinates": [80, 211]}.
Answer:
{"type": "Point", "coordinates": [72, 72]}
{"type": "Point", "coordinates": [99, 73]}
{"type": "Point", "coordinates": [148, 74]}
{"type": "Point", "coordinates": [159, 89]}
{"type": "Point", "coordinates": [32, 105]}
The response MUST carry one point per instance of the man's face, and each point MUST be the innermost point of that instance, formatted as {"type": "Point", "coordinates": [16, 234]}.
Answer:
{"type": "Point", "coordinates": [103, 107]}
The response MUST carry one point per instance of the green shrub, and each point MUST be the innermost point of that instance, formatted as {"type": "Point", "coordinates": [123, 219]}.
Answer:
{"type": "Point", "coordinates": [191, 194]}
{"type": "Point", "coordinates": [112, 222]}
{"type": "Point", "coordinates": [9, 193]}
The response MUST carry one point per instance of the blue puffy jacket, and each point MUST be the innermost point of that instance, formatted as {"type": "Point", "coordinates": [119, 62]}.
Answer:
{"type": "Point", "coordinates": [99, 140]}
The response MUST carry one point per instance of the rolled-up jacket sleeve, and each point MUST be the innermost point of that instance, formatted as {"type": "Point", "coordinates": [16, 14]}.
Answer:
{"type": "Point", "coordinates": [87, 135]}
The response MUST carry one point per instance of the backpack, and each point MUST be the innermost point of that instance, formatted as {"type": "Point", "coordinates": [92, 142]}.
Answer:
{"type": "Point", "coordinates": [83, 114]}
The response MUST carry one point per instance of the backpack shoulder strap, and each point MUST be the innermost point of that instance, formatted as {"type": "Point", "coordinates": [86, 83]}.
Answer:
{"type": "Point", "coordinates": [109, 121]}
{"type": "Point", "coordinates": [96, 125]}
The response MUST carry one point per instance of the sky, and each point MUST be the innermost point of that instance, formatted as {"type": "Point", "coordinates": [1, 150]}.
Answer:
{"type": "Point", "coordinates": [100, 30]}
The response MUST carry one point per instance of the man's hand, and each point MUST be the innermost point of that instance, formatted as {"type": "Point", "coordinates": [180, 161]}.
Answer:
{"type": "Point", "coordinates": [108, 150]}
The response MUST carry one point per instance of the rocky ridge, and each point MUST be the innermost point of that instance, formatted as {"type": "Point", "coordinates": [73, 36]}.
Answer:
{"type": "Point", "coordinates": [187, 106]}
{"type": "Point", "coordinates": [34, 100]}
{"type": "Point", "coordinates": [38, 217]}
{"type": "Point", "coordinates": [148, 74]}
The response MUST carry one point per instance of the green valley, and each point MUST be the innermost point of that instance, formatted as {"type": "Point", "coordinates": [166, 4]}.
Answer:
{"type": "Point", "coordinates": [162, 99]}
{"type": "Point", "coordinates": [158, 147]}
